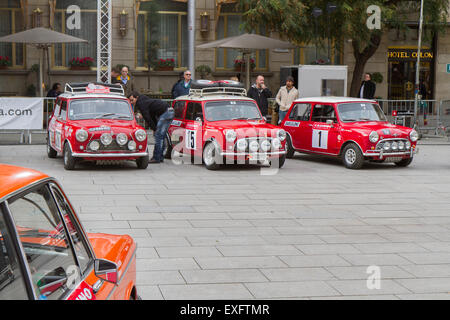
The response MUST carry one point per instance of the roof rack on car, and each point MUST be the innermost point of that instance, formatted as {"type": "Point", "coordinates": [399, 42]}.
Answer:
{"type": "Point", "coordinates": [218, 90]}
{"type": "Point", "coordinates": [94, 87]}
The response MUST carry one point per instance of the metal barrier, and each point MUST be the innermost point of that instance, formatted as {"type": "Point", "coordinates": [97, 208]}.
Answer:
{"type": "Point", "coordinates": [433, 117]}
{"type": "Point", "coordinates": [428, 121]}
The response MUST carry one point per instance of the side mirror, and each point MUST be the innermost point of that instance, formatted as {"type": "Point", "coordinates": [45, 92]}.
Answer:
{"type": "Point", "coordinates": [106, 270]}
{"type": "Point", "coordinates": [330, 122]}
{"type": "Point", "coordinates": [198, 119]}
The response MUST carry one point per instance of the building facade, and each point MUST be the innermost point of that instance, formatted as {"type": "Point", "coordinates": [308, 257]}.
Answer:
{"type": "Point", "coordinates": [147, 32]}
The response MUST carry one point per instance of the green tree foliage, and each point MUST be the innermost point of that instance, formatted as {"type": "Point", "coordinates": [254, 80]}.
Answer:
{"type": "Point", "coordinates": [295, 21]}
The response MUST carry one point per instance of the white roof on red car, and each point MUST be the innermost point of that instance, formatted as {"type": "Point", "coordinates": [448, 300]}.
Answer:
{"type": "Point", "coordinates": [212, 97]}
{"type": "Point", "coordinates": [333, 99]}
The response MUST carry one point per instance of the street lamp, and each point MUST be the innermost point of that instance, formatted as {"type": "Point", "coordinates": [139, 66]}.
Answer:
{"type": "Point", "coordinates": [419, 44]}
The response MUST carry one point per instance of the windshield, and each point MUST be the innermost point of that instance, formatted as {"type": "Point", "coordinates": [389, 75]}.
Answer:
{"type": "Point", "coordinates": [360, 111]}
{"type": "Point", "coordinates": [100, 109]}
{"type": "Point", "coordinates": [232, 110]}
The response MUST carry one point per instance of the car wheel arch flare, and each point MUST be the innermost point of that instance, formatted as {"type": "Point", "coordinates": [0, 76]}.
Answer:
{"type": "Point", "coordinates": [346, 143]}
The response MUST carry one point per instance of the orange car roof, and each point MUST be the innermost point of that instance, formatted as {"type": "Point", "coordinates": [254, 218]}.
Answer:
{"type": "Point", "coordinates": [13, 178]}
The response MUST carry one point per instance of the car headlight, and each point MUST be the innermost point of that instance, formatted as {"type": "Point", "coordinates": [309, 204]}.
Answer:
{"type": "Point", "coordinates": [131, 145]}
{"type": "Point", "coordinates": [401, 145]}
{"type": "Point", "coordinates": [408, 145]}
{"type": "Point", "coordinates": [276, 144]}
{"type": "Point", "coordinates": [140, 135]}
{"type": "Point", "coordinates": [121, 139]}
{"type": "Point", "coordinates": [106, 139]}
{"type": "Point", "coordinates": [242, 145]}
{"type": "Point", "coordinates": [265, 145]}
{"type": "Point", "coordinates": [254, 146]}
{"type": "Point", "coordinates": [374, 137]}
{"type": "Point", "coordinates": [413, 135]}
{"type": "Point", "coordinates": [81, 135]}
{"type": "Point", "coordinates": [230, 135]}
{"type": "Point", "coordinates": [387, 146]}
{"type": "Point", "coordinates": [94, 145]}
{"type": "Point", "coordinates": [394, 146]}
{"type": "Point", "coordinates": [281, 134]}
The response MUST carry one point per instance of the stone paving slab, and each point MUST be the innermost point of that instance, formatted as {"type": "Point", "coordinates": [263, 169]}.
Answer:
{"type": "Point", "coordinates": [311, 231]}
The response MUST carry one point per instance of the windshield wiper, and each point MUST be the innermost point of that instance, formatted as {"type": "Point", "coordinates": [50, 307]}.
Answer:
{"type": "Point", "coordinates": [105, 115]}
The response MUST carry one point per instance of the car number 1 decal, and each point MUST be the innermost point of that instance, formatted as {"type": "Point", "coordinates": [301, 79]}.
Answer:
{"type": "Point", "coordinates": [320, 139]}
{"type": "Point", "coordinates": [191, 142]}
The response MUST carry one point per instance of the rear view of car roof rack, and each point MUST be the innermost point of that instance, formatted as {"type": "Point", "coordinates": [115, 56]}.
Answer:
{"type": "Point", "coordinates": [208, 87]}
{"type": "Point", "coordinates": [94, 87]}
{"type": "Point", "coordinates": [218, 90]}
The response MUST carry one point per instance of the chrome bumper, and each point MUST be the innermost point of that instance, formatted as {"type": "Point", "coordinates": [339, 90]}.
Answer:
{"type": "Point", "coordinates": [381, 154]}
{"type": "Point", "coordinates": [110, 155]}
{"type": "Point", "coordinates": [242, 154]}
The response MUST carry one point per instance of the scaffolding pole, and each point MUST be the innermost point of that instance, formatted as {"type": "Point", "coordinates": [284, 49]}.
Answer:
{"type": "Point", "coordinates": [104, 40]}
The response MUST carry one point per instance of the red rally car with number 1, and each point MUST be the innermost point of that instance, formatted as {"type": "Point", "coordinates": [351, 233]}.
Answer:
{"type": "Point", "coordinates": [353, 129]}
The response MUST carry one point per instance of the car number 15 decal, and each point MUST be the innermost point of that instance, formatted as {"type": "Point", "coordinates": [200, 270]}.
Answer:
{"type": "Point", "coordinates": [320, 139]}
{"type": "Point", "coordinates": [191, 142]}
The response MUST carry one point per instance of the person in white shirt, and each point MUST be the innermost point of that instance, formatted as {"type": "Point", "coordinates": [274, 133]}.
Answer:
{"type": "Point", "coordinates": [286, 95]}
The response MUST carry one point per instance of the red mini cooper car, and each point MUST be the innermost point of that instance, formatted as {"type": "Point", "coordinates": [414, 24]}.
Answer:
{"type": "Point", "coordinates": [95, 122]}
{"type": "Point", "coordinates": [353, 129]}
{"type": "Point", "coordinates": [45, 252]}
{"type": "Point", "coordinates": [217, 123]}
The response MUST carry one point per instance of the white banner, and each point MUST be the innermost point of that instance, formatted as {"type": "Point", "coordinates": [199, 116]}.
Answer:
{"type": "Point", "coordinates": [21, 113]}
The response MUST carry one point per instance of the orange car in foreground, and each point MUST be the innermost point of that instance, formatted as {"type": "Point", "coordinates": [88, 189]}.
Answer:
{"type": "Point", "coordinates": [45, 252]}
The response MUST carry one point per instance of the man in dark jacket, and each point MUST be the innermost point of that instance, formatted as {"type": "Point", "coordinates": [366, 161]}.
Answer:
{"type": "Point", "coordinates": [367, 89]}
{"type": "Point", "coordinates": [260, 93]}
{"type": "Point", "coordinates": [159, 116]}
{"type": "Point", "coordinates": [183, 87]}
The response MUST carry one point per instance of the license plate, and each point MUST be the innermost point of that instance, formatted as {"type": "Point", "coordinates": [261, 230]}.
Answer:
{"type": "Point", "coordinates": [393, 159]}
{"type": "Point", "coordinates": [258, 157]}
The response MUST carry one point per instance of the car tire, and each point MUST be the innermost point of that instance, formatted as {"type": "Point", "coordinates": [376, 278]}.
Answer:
{"type": "Point", "coordinates": [69, 160]}
{"type": "Point", "coordinates": [352, 157]}
{"type": "Point", "coordinates": [210, 156]}
{"type": "Point", "coordinates": [51, 153]}
{"type": "Point", "coordinates": [290, 151]}
{"type": "Point", "coordinates": [280, 162]}
{"type": "Point", "coordinates": [142, 162]}
{"type": "Point", "coordinates": [404, 162]}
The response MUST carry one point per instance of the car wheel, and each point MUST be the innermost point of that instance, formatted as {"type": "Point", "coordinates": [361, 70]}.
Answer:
{"type": "Point", "coordinates": [404, 162]}
{"type": "Point", "coordinates": [352, 157]}
{"type": "Point", "coordinates": [51, 153]}
{"type": "Point", "coordinates": [280, 162]}
{"type": "Point", "coordinates": [290, 151]}
{"type": "Point", "coordinates": [210, 157]}
{"type": "Point", "coordinates": [69, 160]}
{"type": "Point", "coordinates": [142, 162]}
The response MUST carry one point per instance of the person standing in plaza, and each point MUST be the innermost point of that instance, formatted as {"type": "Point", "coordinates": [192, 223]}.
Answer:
{"type": "Point", "coordinates": [114, 75]}
{"type": "Point", "coordinates": [260, 93]}
{"type": "Point", "coordinates": [368, 88]}
{"type": "Point", "coordinates": [55, 91]}
{"type": "Point", "coordinates": [126, 81]}
{"type": "Point", "coordinates": [159, 115]}
{"type": "Point", "coordinates": [180, 78]}
{"type": "Point", "coordinates": [182, 87]}
{"type": "Point", "coordinates": [286, 95]}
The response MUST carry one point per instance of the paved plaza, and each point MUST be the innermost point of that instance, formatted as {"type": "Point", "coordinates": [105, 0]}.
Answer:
{"type": "Point", "coordinates": [311, 231]}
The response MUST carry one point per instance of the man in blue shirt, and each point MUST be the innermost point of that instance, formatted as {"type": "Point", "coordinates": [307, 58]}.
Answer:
{"type": "Point", "coordinates": [182, 87]}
